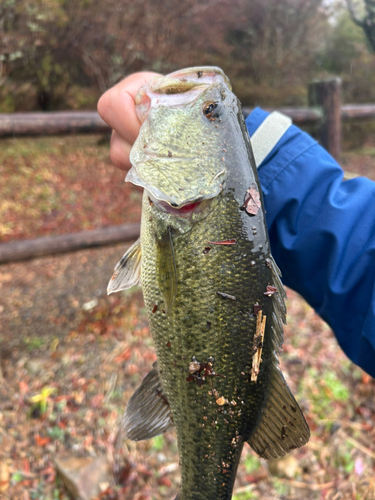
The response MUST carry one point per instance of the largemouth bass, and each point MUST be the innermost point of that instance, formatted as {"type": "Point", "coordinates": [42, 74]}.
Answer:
{"type": "Point", "coordinates": [212, 290]}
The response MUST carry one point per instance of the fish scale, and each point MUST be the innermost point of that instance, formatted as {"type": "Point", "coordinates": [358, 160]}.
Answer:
{"type": "Point", "coordinates": [216, 310]}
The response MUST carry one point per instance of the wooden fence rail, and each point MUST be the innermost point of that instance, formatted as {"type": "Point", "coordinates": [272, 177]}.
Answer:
{"type": "Point", "coordinates": [52, 245]}
{"type": "Point", "coordinates": [51, 123]}
{"type": "Point", "coordinates": [89, 122]}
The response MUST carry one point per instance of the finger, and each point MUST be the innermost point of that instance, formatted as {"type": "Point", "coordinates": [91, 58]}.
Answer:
{"type": "Point", "coordinates": [117, 106]}
{"type": "Point", "coordinates": [120, 151]}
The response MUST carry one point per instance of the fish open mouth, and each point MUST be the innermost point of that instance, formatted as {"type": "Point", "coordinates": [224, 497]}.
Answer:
{"type": "Point", "coordinates": [184, 211]}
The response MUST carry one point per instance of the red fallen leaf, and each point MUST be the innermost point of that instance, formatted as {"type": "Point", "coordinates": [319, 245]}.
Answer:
{"type": "Point", "coordinates": [149, 356]}
{"type": "Point", "coordinates": [124, 356]}
{"type": "Point", "coordinates": [270, 290]}
{"type": "Point", "coordinates": [164, 481]}
{"type": "Point", "coordinates": [224, 242]}
{"type": "Point", "coordinates": [363, 411]}
{"type": "Point", "coordinates": [132, 369]}
{"type": "Point", "coordinates": [365, 378]}
{"type": "Point", "coordinates": [97, 401]}
{"type": "Point", "coordinates": [252, 200]}
{"type": "Point", "coordinates": [23, 386]}
{"type": "Point", "coordinates": [88, 440]}
{"type": "Point", "coordinates": [4, 485]}
{"type": "Point", "coordinates": [142, 496]}
{"type": "Point", "coordinates": [122, 475]}
{"type": "Point", "coordinates": [367, 427]}
{"type": "Point", "coordinates": [42, 441]}
{"type": "Point", "coordinates": [26, 466]}
{"type": "Point", "coordinates": [141, 469]}
{"type": "Point", "coordinates": [26, 482]}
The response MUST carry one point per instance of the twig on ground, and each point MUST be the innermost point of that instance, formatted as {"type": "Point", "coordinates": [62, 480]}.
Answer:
{"type": "Point", "coordinates": [360, 446]}
{"type": "Point", "coordinates": [244, 489]}
{"type": "Point", "coordinates": [308, 486]}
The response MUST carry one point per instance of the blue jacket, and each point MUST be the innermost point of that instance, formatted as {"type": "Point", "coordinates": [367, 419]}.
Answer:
{"type": "Point", "coordinates": [322, 233]}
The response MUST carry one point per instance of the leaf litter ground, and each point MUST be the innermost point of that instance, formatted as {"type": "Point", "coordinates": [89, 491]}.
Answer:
{"type": "Point", "coordinates": [71, 356]}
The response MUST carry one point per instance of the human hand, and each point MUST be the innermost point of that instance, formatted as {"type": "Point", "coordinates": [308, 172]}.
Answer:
{"type": "Point", "coordinates": [117, 108]}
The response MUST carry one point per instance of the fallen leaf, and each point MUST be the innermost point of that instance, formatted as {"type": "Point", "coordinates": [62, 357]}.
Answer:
{"type": "Point", "coordinates": [4, 476]}
{"type": "Point", "coordinates": [42, 441]}
{"type": "Point", "coordinates": [252, 200]}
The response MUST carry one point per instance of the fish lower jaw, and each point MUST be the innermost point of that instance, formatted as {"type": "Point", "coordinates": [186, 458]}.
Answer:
{"type": "Point", "coordinates": [182, 211]}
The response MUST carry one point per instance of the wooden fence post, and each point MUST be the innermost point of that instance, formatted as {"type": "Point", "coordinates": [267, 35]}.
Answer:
{"type": "Point", "coordinates": [327, 95]}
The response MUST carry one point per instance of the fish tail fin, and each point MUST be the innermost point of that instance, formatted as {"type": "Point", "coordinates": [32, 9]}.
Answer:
{"type": "Point", "coordinates": [282, 426]}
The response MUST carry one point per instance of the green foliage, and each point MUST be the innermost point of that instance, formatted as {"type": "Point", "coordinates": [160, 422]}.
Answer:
{"type": "Point", "coordinates": [251, 463]}
{"type": "Point", "coordinates": [62, 54]}
{"type": "Point", "coordinates": [246, 495]}
{"type": "Point", "coordinates": [345, 53]}
{"type": "Point", "coordinates": [56, 433]}
{"type": "Point", "coordinates": [344, 44]}
{"type": "Point", "coordinates": [33, 343]}
{"type": "Point", "coordinates": [339, 391]}
{"type": "Point", "coordinates": [345, 461]}
{"type": "Point", "coordinates": [17, 477]}
{"type": "Point", "coordinates": [56, 45]}
{"type": "Point", "coordinates": [327, 391]}
{"type": "Point", "coordinates": [158, 443]}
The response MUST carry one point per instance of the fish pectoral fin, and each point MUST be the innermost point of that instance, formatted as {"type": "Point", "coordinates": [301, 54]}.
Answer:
{"type": "Point", "coordinates": [282, 426]}
{"type": "Point", "coordinates": [127, 272]}
{"type": "Point", "coordinates": [147, 413]}
{"type": "Point", "coordinates": [166, 269]}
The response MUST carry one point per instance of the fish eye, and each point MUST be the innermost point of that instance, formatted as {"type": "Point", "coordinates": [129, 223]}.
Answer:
{"type": "Point", "coordinates": [210, 110]}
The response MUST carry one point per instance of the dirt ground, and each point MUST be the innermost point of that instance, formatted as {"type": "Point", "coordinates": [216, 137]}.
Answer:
{"type": "Point", "coordinates": [71, 357]}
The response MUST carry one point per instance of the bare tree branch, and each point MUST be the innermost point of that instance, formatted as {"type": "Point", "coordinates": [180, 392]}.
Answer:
{"type": "Point", "coordinates": [367, 23]}
{"type": "Point", "coordinates": [353, 13]}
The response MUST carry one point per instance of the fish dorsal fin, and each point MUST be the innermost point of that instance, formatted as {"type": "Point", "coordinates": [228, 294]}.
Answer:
{"type": "Point", "coordinates": [282, 426]}
{"type": "Point", "coordinates": [127, 272]}
{"type": "Point", "coordinates": [166, 265]}
{"type": "Point", "coordinates": [279, 309]}
{"type": "Point", "coordinates": [147, 413]}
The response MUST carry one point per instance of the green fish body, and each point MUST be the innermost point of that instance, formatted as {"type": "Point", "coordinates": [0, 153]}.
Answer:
{"type": "Point", "coordinates": [212, 290]}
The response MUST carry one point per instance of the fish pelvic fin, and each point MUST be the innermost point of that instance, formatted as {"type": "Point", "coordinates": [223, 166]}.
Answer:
{"type": "Point", "coordinates": [147, 413]}
{"type": "Point", "coordinates": [282, 426]}
{"type": "Point", "coordinates": [127, 272]}
{"type": "Point", "coordinates": [167, 272]}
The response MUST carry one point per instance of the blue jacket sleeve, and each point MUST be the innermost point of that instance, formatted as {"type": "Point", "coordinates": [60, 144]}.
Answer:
{"type": "Point", "coordinates": [322, 233]}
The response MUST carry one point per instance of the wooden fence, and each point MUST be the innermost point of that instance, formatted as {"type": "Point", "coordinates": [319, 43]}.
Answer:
{"type": "Point", "coordinates": [326, 110]}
